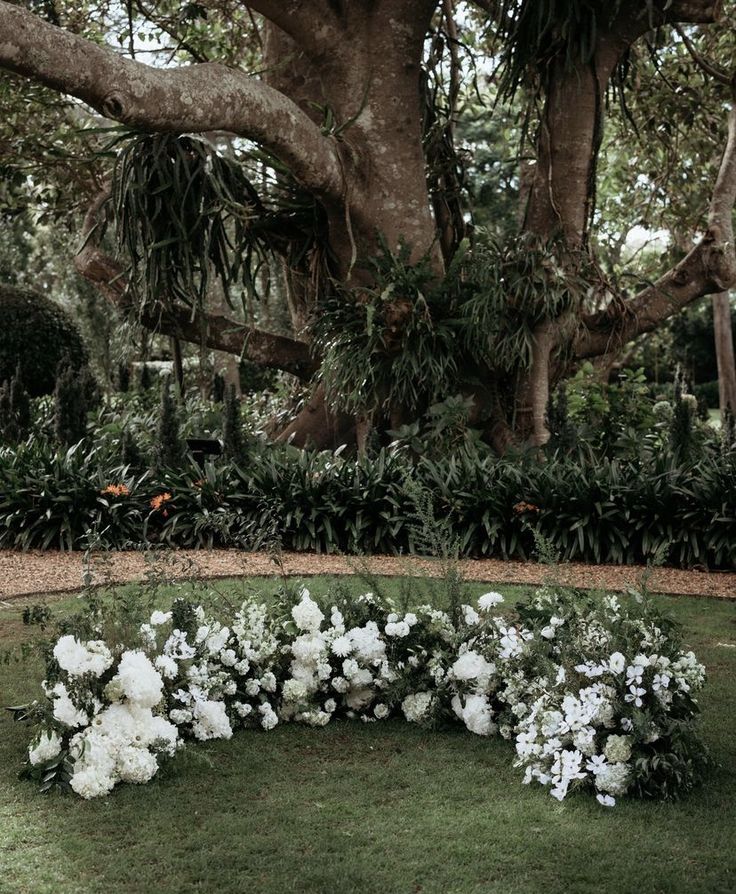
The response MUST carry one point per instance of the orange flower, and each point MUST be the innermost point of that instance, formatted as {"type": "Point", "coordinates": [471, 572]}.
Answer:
{"type": "Point", "coordinates": [159, 501]}
{"type": "Point", "coordinates": [525, 507]}
{"type": "Point", "coordinates": [116, 490]}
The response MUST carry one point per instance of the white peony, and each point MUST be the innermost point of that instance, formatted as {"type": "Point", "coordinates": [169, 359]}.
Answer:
{"type": "Point", "coordinates": [473, 666]}
{"type": "Point", "coordinates": [470, 615]}
{"type": "Point", "coordinates": [166, 666]}
{"type": "Point", "coordinates": [158, 618]}
{"type": "Point", "coordinates": [381, 711]}
{"type": "Point", "coordinates": [398, 629]}
{"type": "Point", "coordinates": [368, 646]}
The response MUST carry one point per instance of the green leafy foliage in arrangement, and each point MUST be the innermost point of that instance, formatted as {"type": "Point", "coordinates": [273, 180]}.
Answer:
{"type": "Point", "coordinates": [396, 345]}
{"type": "Point", "coordinates": [37, 334]}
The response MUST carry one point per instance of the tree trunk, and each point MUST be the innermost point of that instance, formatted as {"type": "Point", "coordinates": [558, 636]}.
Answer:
{"type": "Point", "coordinates": [723, 332]}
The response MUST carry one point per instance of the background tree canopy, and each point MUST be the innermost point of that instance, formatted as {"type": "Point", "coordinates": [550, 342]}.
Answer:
{"type": "Point", "coordinates": [398, 203]}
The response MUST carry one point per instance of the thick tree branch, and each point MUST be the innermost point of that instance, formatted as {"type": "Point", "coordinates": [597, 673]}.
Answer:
{"type": "Point", "coordinates": [189, 99]}
{"type": "Point", "coordinates": [220, 333]}
{"type": "Point", "coordinates": [710, 267]}
{"type": "Point", "coordinates": [307, 24]}
{"type": "Point", "coordinates": [695, 12]}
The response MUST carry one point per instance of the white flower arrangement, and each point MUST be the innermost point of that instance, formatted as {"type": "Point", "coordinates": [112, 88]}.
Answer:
{"type": "Point", "coordinates": [594, 694]}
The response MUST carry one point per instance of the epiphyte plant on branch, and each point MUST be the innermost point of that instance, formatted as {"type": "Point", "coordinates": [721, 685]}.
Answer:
{"type": "Point", "coordinates": [340, 110]}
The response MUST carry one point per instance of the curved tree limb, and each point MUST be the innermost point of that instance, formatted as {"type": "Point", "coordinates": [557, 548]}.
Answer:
{"type": "Point", "coordinates": [189, 99]}
{"type": "Point", "coordinates": [710, 267]}
{"type": "Point", "coordinates": [220, 333]}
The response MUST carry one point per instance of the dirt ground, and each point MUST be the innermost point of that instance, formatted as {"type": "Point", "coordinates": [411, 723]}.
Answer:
{"type": "Point", "coordinates": [40, 573]}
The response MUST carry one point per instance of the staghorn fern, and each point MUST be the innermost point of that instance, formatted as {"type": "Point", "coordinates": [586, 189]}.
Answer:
{"type": "Point", "coordinates": [185, 214]}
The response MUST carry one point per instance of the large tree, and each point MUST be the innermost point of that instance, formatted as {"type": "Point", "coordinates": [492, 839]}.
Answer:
{"type": "Point", "coordinates": [393, 305]}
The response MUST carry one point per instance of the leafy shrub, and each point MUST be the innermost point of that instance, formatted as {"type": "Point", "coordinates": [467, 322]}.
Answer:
{"type": "Point", "coordinates": [708, 391]}
{"type": "Point", "coordinates": [38, 334]}
{"type": "Point", "coordinates": [614, 511]}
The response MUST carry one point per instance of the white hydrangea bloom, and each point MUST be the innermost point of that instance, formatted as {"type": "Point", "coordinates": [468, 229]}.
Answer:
{"type": "Point", "coordinates": [136, 765]}
{"type": "Point", "coordinates": [139, 680]}
{"type": "Point", "coordinates": [269, 718]}
{"type": "Point", "coordinates": [211, 721]}
{"type": "Point", "coordinates": [416, 706]}
{"type": "Point", "coordinates": [307, 614]}
{"type": "Point", "coordinates": [613, 779]}
{"type": "Point", "coordinates": [477, 716]}
{"type": "Point", "coordinates": [78, 658]}
{"type": "Point", "coordinates": [618, 749]}
{"type": "Point", "coordinates": [65, 711]}
{"type": "Point", "coordinates": [294, 691]}
{"type": "Point", "coordinates": [47, 746]}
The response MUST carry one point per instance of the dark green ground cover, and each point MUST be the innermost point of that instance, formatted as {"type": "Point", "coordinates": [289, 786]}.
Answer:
{"type": "Point", "coordinates": [369, 808]}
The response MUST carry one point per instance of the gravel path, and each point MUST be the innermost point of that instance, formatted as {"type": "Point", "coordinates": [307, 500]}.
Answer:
{"type": "Point", "coordinates": [44, 573]}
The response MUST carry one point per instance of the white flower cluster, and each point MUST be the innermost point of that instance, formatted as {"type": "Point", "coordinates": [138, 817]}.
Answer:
{"type": "Point", "coordinates": [109, 728]}
{"type": "Point", "coordinates": [586, 690]}
{"type": "Point", "coordinates": [621, 710]}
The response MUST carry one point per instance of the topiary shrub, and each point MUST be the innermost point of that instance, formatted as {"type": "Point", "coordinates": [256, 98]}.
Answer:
{"type": "Point", "coordinates": [37, 334]}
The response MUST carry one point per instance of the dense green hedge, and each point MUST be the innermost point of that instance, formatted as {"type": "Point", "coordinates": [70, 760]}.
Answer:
{"type": "Point", "coordinates": [607, 511]}
{"type": "Point", "coordinates": [37, 334]}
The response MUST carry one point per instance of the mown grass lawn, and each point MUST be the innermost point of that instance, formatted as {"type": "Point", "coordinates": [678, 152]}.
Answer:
{"type": "Point", "coordinates": [369, 808]}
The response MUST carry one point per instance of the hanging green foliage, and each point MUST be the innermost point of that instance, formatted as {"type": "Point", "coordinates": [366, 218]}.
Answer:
{"type": "Point", "coordinates": [532, 34]}
{"type": "Point", "coordinates": [399, 343]}
{"type": "Point", "coordinates": [185, 215]}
